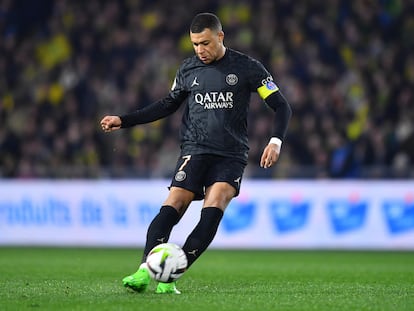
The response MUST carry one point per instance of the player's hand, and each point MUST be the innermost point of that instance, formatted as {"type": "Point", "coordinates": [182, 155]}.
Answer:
{"type": "Point", "coordinates": [270, 155]}
{"type": "Point", "coordinates": [111, 123]}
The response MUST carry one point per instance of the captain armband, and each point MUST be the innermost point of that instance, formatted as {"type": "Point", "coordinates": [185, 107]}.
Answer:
{"type": "Point", "coordinates": [267, 88]}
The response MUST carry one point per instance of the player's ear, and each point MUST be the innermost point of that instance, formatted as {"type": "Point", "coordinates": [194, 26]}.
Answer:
{"type": "Point", "coordinates": [220, 34]}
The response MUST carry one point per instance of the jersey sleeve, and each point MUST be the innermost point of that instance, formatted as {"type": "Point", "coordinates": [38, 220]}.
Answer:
{"type": "Point", "coordinates": [178, 89]}
{"type": "Point", "coordinates": [261, 80]}
{"type": "Point", "coordinates": [160, 108]}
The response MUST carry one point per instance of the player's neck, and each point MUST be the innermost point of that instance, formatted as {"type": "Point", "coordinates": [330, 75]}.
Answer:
{"type": "Point", "coordinates": [222, 53]}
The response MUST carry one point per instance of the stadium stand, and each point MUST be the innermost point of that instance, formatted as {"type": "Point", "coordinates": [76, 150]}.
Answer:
{"type": "Point", "coordinates": [346, 67]}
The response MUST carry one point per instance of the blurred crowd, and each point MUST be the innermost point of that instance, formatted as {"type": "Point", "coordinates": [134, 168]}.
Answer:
{"type": "Point", "coordinates": [346, 67]}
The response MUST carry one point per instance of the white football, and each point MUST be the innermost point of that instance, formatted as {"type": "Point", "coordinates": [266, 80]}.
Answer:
{"type": "Point", "coordinates": [166, 262]}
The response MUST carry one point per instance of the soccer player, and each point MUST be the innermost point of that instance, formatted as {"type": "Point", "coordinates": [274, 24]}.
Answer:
{"type": "Point", "coordinates": [216, 82]}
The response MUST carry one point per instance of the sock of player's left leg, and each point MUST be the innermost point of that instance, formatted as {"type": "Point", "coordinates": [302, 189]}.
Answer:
{"type": "Point", "coordinates": [203, 234]}
{"type": "Point", "coordinates": [160, 228]}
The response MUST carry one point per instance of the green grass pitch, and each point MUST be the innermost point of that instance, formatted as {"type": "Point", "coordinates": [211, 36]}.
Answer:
{"type": "Point", "coordinates": [90, 279]}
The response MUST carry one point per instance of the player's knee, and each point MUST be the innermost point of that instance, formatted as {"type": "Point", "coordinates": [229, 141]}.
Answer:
{"type": "Point", "coordinates": [219, 195]}
{"type": "Point", "coordinates": [180, 205]}
{"type": "Point", "coordinates": [179, 199]}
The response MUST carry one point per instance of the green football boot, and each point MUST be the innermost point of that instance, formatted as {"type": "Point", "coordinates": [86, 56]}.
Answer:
{"type": "Point", "coordinates": [139, 280]}
{"type": "Point", "coordinates": [167, 288]}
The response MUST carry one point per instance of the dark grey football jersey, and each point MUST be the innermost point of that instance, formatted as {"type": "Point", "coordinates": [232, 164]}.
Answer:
{"type": "Point", "coordinates": [218, 94]}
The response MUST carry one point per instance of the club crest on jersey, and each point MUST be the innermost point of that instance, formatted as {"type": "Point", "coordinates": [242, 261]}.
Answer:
{"type": "Point", "coordinates": [232, 79]}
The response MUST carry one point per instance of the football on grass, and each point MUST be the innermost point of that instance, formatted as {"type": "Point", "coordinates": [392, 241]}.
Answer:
{"type": "Point", "coordinates": [166, 262]}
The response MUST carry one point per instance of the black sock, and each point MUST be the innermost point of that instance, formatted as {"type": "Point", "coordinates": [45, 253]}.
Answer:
{"type": "Point", "coordinates": [160, 228]}
{"type": "Point", "coordinates": [203, 234]}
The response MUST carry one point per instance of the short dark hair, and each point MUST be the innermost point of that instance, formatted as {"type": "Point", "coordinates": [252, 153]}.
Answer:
{"type": "Point", "coordinates": [205, 20]}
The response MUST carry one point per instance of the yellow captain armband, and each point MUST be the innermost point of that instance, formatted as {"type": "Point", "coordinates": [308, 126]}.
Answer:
{"type": "Point", "coordinates": [268, 87]}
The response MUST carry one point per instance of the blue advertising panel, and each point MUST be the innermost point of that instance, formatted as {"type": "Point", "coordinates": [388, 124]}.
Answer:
{"type": "Point", "coordinates": [266, 214]}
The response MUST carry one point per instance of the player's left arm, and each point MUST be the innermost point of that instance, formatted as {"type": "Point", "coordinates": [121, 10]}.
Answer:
{"type": "Point", "coordinates": [274, 98]}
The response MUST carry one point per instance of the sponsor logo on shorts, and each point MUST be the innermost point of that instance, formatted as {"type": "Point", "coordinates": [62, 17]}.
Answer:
{"type": "Point", "coordinates": [237, 181]}
{"type": "Point", "coordinates": [180, 176]}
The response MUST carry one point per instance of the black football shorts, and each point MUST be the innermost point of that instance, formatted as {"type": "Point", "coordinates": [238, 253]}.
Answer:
{"type": "Point", "coordinates": [197, 172]}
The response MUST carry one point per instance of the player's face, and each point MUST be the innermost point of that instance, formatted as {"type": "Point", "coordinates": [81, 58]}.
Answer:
{"type": "Point", "coordinates": [208, 45]}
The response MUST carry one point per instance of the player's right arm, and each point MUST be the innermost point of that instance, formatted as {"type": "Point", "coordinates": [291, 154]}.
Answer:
{"type": "Point", "coordinates": [155, 111]}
